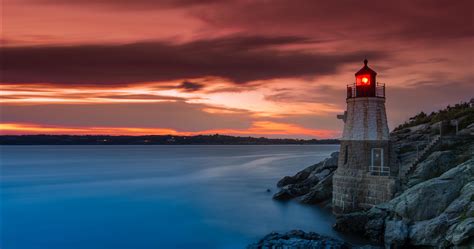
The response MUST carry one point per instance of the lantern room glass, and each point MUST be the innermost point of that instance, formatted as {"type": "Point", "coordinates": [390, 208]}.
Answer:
{"type": "Point", "coordinates": [363, 80]}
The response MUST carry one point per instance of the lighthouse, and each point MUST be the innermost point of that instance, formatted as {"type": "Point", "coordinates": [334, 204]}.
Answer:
{"type": "Point", "coordinates": [365, 175]}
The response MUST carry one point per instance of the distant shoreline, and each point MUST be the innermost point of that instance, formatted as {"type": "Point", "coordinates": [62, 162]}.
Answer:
{"type": "Point", "coordinates": [154, 140]}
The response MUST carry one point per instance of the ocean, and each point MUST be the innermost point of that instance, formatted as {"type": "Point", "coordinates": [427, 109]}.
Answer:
{"type": "Point", "coordinates": [63, 197]}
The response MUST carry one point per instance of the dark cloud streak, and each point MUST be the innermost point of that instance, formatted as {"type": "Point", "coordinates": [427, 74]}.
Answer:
{"type": "Point", "coordinates": [348, 19]}
{"type": "Point", "coordinates": [189, 86]}
{"type": "Point", "coordinates": [404, 20]}
{"type": "Point", "coordinates": [240, 59]}
{"type": "Point", "coordinates": [127, 5]}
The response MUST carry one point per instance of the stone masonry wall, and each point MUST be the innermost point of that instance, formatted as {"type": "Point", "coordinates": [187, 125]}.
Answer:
{"type": "Point", "coordinates": [359, 153]}
{"type": "Point", "coordinates": [366, 119]}
{"type": "Point", "coordinates": [355, 190]}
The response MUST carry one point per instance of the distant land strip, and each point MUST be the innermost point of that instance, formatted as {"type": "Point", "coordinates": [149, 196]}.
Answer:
{"type": "Point", "coordinates": [152, 140]}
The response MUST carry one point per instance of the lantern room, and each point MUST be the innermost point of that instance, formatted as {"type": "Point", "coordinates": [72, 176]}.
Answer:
{"type": "Point", "coordinates": [365, 84]}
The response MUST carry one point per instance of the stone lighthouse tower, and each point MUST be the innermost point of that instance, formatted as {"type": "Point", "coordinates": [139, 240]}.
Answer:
{"type": "Point", "coordinates": [365, 175]}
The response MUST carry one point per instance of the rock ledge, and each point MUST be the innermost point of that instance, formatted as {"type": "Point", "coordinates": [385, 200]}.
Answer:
{"type": "Point", "coordinates": [298, 239]}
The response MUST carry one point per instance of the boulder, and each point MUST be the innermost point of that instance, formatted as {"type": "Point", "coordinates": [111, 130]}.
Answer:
{"type": "Point", "coordinates": [319, 193]}
{"type": "Point", "coordinates": [309, 171]}
{"type": "Point", "coordinates": [433, 166]}
{"type": "Point", "coordinates": [283, 195]}
{"type": "Point", "coordinates": [421, 127]}
{"type": "Point", "coordinates": [312, 185]}
{"type": "Point", "coordinates": [429, 232]}
{"type": "Point", "coordinates": [396, 234]}
{"type": "Point", "coordinates": [298, 239]}
{"type": "Point", "coordinates": [300, 176]}
{"type": "Point", "coordinates": [436, 193]}
{"type": "Point", "coordinates": [469, 130]}
{"type": "Point", "coordinates": [461, 211]}
{"type": "Point", "coordinates": [464, 204]}
{"type": "Point", "coordinates": [439, 207]}
{"type": "Point", "coordinates": [351, 223]}
{"type": "Point", "coordinates": [462, 232]}
{"type": "Point", "coordinates": [375, 227]}
{"type": "Point", "coordinates": [369, 224]}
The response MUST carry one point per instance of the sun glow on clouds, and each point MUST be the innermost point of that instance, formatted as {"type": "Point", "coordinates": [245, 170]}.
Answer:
{"type": "Point", "coordinates": [45, 93]}
{"type": "Point", "coordinates": [242, 98]}
{"type": "Point", "coordinates": [19, 129]}
{"type": "Point", "coordinates": [235, 100]}
{"type": "Point", "coordinates": [255, 100]}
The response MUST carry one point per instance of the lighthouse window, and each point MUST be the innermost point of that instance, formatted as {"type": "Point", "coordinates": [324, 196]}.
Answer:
{"type": "Point", "coordinates": [346, 153]}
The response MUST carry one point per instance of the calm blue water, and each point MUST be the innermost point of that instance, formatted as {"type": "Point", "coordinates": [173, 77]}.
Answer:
{"type": "Point", "coordinates": [150, 196]}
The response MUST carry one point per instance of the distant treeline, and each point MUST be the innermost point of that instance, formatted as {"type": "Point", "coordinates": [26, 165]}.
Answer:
{"type": "Point", "coordinates": [151, 140]}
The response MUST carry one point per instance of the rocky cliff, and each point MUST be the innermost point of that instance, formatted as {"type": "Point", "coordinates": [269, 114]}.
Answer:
{"type": "Point", "coordinates": [437, 213]}
{"type": "Point", "coordinates": [434, 203]}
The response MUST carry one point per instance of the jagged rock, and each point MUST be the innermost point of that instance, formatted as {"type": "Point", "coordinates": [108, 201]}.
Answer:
{"type": "Point", "coordinates": [300, 176]}
{"type": "Point", "coordinates": [298, 239]}
{"type": "Point", "coordinates": [462, 212]}
{"type": "Point", "coordinates": [375, 226]}
{"type": "Point", "coordinates": [462, 232]}
{"type": "Point", "coordinates": [429, 232]}
{"type": "Point", "coordinates": [351, 223]}
{"type": "Point", "coordinates": [421, 127]}
{"type": "Point", "coordinates": [319, 193]}
{"type": "Point", "coordinates": [396, 235]}
{"type": "Point", "coordinates": [433, 166]}
{"type": "Point", "coordinates": [287, 180]}
{"type": "Point", "coordinates": [435, 208]}
{"type": "Point", "coordinates": [332, 160]}
{"type": "Point", "coordinates": [369, 224]}
{"type": "Point", "coordinates": [312, 185]}
{"type": "Point", "coordinates": [283, 194]}
{"type": "Point", "coordinates": [435, 193]}
{"type": "Point", "coordinates": [464, 204]}
{"type": "Point", "coordinates": [469, 130]}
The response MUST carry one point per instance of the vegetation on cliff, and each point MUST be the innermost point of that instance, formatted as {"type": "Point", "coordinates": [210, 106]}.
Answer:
{"type": "Point", "coordinates": [463, 111]}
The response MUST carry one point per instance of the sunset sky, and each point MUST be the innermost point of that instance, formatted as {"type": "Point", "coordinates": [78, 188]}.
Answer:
{"type": "Point", "coordinates": [259, 68]}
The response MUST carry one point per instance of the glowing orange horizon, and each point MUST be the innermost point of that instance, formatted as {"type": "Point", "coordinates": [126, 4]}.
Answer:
{"type": "Point", "coordinates": [258, 128]}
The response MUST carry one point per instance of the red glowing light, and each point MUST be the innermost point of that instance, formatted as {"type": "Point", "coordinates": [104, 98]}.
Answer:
{"type": "Point", "coordinates": [362, 80]}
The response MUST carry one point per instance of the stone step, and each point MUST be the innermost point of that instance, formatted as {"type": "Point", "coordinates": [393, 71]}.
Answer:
{"type": "Point", "coordinates": [421, 156]}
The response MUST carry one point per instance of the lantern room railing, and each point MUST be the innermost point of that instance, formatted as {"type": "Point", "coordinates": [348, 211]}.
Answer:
{"type": "Point", "coordinates": [379, 91]}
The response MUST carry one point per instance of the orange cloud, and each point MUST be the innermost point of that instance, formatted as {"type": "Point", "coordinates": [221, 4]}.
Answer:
{"type": "Point", "coordinates": [248, 100]}
{"type": "Point", "coordinates": [22, 129]}
{"type": "Point", "coordinates": [258, 128]}
{"type": "Point", "coordinates": [266, 128]}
